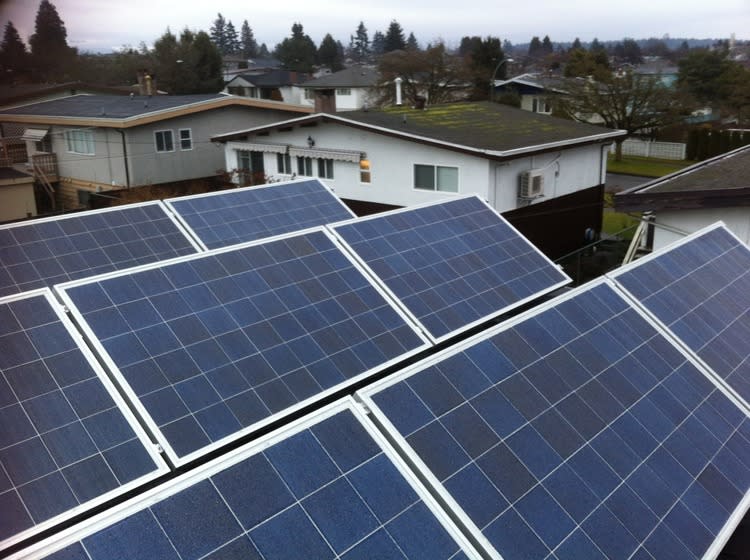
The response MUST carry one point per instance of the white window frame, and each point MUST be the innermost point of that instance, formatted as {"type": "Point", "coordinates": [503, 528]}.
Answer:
{"type": "Point", "coordinates": [435, 178]}
{"type": "Point", "coordinates": [309, 94]}
{"type": "Point", "coordinates": [365, 171]}
{"type": "Point", "coordinates": [343, 92]}
{"type": "Point", "coordinates": [156, 140]}
{"type": "Point", "coordinates": [305, 166]}
{"type": "Point", "coordinates": [284, 164]}
{"type": "Point", "coordinates": [189, 139]}
{"type": "Point", "coordinates": [80, 142]}
{"type": "Point", "coordinates": [325, 168]}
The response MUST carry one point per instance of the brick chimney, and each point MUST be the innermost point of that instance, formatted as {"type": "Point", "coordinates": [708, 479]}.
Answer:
{"type": "Point", "coordinates": [325, 100]}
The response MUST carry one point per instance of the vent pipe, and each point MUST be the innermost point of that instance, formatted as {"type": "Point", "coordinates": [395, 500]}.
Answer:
{"type": "Point", "coordinates": [398, 91]}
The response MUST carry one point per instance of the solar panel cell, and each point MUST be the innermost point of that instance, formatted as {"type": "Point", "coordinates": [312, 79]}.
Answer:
{"type": "Point", "coordinates": [600, 461]}
{"type": "Point", "coordinates": [44, 252]}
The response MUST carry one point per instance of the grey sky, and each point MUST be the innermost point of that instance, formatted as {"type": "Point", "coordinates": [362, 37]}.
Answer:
{"type": "Point", "coordinates": [105, 24]}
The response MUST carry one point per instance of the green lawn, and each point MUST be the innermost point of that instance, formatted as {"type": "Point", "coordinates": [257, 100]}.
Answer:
{"type": "Point", "coordinates": [647, 167]}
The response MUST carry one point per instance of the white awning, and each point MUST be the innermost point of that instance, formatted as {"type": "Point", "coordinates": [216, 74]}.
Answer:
{"type": "Point", "coordinates": [324, 153]}
{"type": "Point", "coordinates": [34, 134]}
{"type": "Point", "coordinates": [269, 148]}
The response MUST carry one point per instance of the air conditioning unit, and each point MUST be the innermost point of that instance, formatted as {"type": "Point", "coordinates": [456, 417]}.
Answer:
{"type": "Point", "coordinates": [531, 184]}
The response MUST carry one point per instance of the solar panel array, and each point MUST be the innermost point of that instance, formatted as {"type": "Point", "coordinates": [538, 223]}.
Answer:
{"type": "Point", "coordinates": [220, 343]}
{"type": "Point", "coordinates": [64, 440]}
{"type": "Point", "coordinates": [329, 490]}
{"type": "Point", "coordinates": [40, 253]}
{"type": "Point", "coordinates": [577, 432]}
{"type": "Point", "coordinates": [700, 290]}
{"type": "Point", "coordinates": [453, 264]}
{"type": "Point", "coordinates": [235, 216]}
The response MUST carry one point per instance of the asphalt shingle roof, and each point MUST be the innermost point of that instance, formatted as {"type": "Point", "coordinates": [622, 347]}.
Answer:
{"type": "Point", "coordinates": [354, 76]}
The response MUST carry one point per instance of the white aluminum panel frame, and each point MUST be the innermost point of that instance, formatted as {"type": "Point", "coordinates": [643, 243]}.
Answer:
{"type": "Point", "coordinates": [436, 340]}
{"type": "Point", "coordinates": [381, 420]}
{"type": "Point", "coordinates": [167, 489]}
{"type": "Point", "coordinates": [124, 386]}
{"type": "Point", "coordinates": [152, 448]}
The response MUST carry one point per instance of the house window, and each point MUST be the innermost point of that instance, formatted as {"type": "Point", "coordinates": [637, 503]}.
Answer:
{"type": "Point", "coordinates": [364, 171]}
{"type": "Point", "coordinates": [284, 164]}
{"type": "Point", "coordinates": [325, 168]}
{"type": "Point", "coordinates": [309, 94]}
{"type": "Point", "coordinates": [80, 141]}
{"type": "Point", "coordinates": [164, 141]}
{"type": "Point", "coordinates": [539, 106]}
{"type": "Point", "coordinates": [436, 178]}
{"type": "Point", "coordinates": [344, 91]}
{"type": "Point", "coordinates": [250, 167]}
{"type": "Point", "coordinates": [304, 166]}
{"type": "Point", "coordinates": [186, 139]}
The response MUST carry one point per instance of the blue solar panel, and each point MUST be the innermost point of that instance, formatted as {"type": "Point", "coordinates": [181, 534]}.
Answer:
{"type": "Point", "coordinates": [235, 216]}
{"type": "Point", "coordinates": [216, 345]}
{"type": "Point", "coordinates": [453, 264]}
{"type": "Point", "coordinates": [64, 440]}
{"type": "Point", "coordinates": [577, 431]}
{"type": "Point", "coordinates": [700, 289]}
{"type": "Point", "coordinates": [325, 489]}
{"type": "Point", "coordinates": [40, 253]}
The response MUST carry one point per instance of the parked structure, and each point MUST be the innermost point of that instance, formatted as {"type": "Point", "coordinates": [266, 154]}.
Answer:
{"type": "Point", "coordinates": [546, 174]}
{"type": "Point", "coordinates": [695, 197]}
{"type": "Point", "coordinates": [99, 142]}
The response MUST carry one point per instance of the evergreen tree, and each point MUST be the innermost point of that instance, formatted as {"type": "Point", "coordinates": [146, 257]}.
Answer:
{"type": "Point", "coordinates": [51, 56]}
{"type": "Point", "coordinates": [507, 46]}
{"type": "Point", "coordinates": [248, 46]}
{"type": "Point", "coordinates": [330, 53]}
{"type": "Point", "coordinates": [411, 42]}
{"type": "Point", "coordinates": [628, 51]}
{"type": "Point", "coordinates": [232, 40]}
{"type": "Point", "coordinates": [359, 45]}
{"type": "Point", "coordinates": [596, 46]}
{"type": "Point", "coordinates": [191, 64]}
{"type": "Point", "coordinates": [576, 45]}
{"type": "Point", "coordinates": [378, 43]}
{"type": "Point", "coordinates": [535, 47]}
{"type": "Point", "coordinates": [13, 55]}
{"type": "Point", "coordinates": [394, 38]}
{"type": "Point", "coordinates": [263, 51]}
{"type": "Point", "coordinates": [218, 33]}
{"type": "Point", "coordinates": [297, 52]}
{"type": "Point", "coordinates": [547, 47]}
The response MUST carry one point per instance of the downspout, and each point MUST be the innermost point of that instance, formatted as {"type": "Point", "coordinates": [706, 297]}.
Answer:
{"type": "Point", "coordinates": [125, 157]}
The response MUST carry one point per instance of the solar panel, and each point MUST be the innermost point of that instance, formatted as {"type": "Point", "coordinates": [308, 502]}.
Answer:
{"type": "Point", "coordinates": [452, 264]}
{"type": "Point", "coordinates": [47, 251]}
{"type": "Point", "coordinates": [327, 488]}
{"type": "Point", "coordinates": [575, 431]}
{"type": "Point", "coordinates": [214, 346]}
{"type": "Point", "coordinates": [67, 442]}
{"type": "Point", "coordinates": [234, 216]}
{"type": "Point", "coordinates": [700, 289]}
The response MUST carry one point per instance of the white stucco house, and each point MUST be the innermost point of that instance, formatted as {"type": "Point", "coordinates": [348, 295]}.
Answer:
{"type": "Point", "coordinates": [695, 197]}
{"type": "Point", "coordinates": [524, 165]}
{"type": "Point", "coordinates": [352, 88]}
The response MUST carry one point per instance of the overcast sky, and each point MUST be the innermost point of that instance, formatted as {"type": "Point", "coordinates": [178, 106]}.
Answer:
{"type": "Point", "coordinates": [100, 25]}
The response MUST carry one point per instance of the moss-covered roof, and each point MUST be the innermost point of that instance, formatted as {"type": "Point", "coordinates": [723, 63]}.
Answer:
{"type": "Point", "coordinates": [484, 126]}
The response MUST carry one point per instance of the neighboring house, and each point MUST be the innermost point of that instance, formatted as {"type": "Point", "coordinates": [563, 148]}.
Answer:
{"type": "Point", "coordinates": [546, 174]}
{"type": "Point", "coordinates": [351, 88]}
{"type": "Point", "coordinates": [697, 196]}
{"type": "Point", "coordinates": [276, 85]}
{"type": "Point", "coordinates": [536, 91]}
{"type": "Point", "coordinates": [16, 195]}
{"type": "Point", "coordinates": [234, 65]}
{"type": "Point", "coordinates": [655, 66]}
{"type": "Point", "coordinates": [105, 142]}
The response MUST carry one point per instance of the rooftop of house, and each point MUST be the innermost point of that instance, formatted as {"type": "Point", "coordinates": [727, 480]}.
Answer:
{"type": "Point", "coordinates": [490, 129]}
{"type": "Point", "coordinates": [548, 82]}
{"type": "Point", "coordinates": [132, 110]}
{"type": "Point", "coordinates": [717, 182]}
{"type": "Point", "coordinates": [12, 174]}
{"type": "Point", "coordinates": [354, 76]}
{"type": "Point", "coordinates": [13, 94]}
{"type": "Point", "coordinates": [274, 78]}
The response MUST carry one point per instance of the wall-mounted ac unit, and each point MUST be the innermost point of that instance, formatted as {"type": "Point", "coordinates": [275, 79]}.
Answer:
{"type": "Point", "coordinates": [531, 184]}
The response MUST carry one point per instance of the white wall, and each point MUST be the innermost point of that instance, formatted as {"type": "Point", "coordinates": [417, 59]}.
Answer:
{"type": "Point", "coordinates": [357, 100]}
{"type": "Point", "coordinates": [736, 219]}
{"type": "Point", "coordinates": [392, 167]}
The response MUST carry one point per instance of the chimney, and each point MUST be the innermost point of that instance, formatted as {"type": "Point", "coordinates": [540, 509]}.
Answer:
{"type": "Point", "coordinates": [141, 82]}
{"type": "Point", "coordinates": [398, 91]}
{"type": "Point", "coordinates": [325, 100]}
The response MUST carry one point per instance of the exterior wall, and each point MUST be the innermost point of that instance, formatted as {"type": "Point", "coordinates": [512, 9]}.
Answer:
{"type": "Point", "coordinates": [736, 219]}
{"type": "Point", "coordinates": [357, 100]}
{"type": "Point", "coordinates": [17, 201]}
{"type": "Point", "coordinates": [392, 168]}
{"type": "Point", "coordinates": [527, 103]}
{"type": "Point", "coordinates": [106, 167]}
